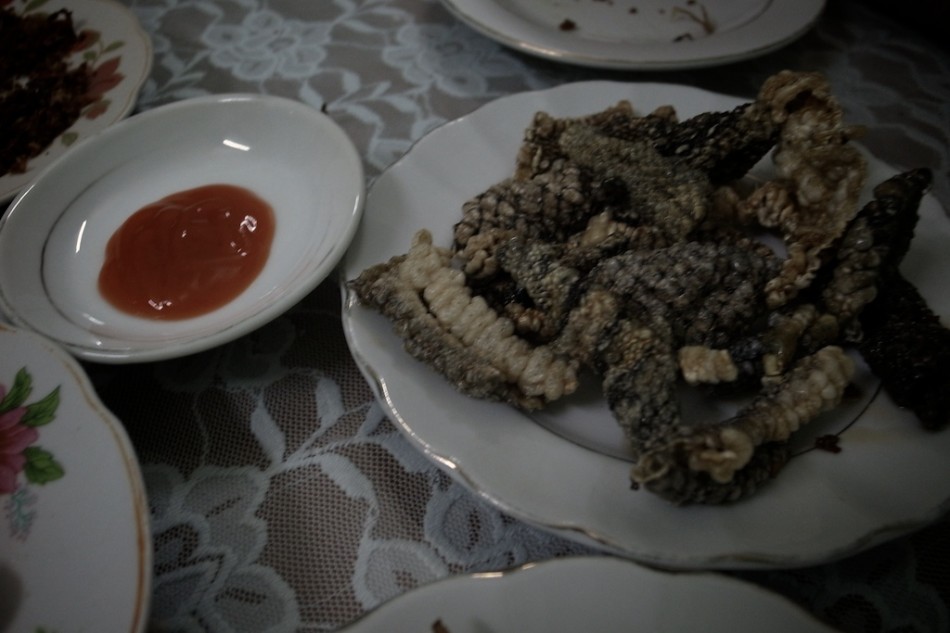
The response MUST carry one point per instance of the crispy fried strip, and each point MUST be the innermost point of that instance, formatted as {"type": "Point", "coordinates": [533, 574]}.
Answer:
{"type": "Point", "coordinates": [444, 325]}
{"type": "Point", "coordinates": [816, 384]}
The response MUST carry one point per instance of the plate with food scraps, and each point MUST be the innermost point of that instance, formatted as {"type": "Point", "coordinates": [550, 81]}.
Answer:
{"type": "Point", "coordinates": [641, 34]}
{"type": "Point", "coordinates": [75, 546]}
{"type": "Point", "coordinates": [563, 468]}
{"type": "Point", "coordinates": [180, 228]}
{"type": "Point", "coordinates": [97, 58]}
{"type": "Point", "coordinates": [587, 593]}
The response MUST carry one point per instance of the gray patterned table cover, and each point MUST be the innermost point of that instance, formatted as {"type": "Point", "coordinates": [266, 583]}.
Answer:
{"type": "Point", "coordinates": [281, 496]}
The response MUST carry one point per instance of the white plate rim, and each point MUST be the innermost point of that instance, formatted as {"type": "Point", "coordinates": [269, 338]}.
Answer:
{"type": "Point", "coordinates": [116, 22]}
{"type": "Point", "coordinates": [464, 462]}
{"type": "Point", "coordinates": [352, 214]}
{"type": "Point", "coordinates": [625, 589]}
{"type": "Point", "coordinates": [95, 411]}
{"type": "Point", "coordinates": [781, 22]}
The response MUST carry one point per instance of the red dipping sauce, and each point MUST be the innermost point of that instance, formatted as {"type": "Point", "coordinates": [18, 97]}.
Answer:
{"type": "Point", "coordinates": [188, 253]}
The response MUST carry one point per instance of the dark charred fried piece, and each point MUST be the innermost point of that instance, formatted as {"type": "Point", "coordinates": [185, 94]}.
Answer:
{"type": "Point", "coordinates": [549, 207]}
{"type": "Point", "coordinates": [458, 334]}
{"type": "Point", "coordinates": [871, 248]}
{"type": "Point", "coordinates": [706, 291]}
{"type": "Point", "coordinates": [540, 149]}
{"type": "Point", "coordinates": [904, 342]}
{"type": "Point", "coordinates": [724, 145]}
{"type": "Point", "coordinates": [765, 354]}
{"type": "Point", "coordinates": [873, 245]}
{"type": "Point", "coordinates": [908, 348]}
{"type": "Point", "coordinates": [673, 200]}
{"type": "Point", "coordinates": [536, 267]}
{"type": "Point", "coordinates": [639, 382]}
{"type": "Point", "coordinates": [683, 486]}
{"type": "Point", "coordinates": [689, 464]}
{"type": "Point", "coordinates": [635, 362]}
{"type": "Point", "coordinates": [635, 311]}
{"type": "Point", "coordinates": [604, 237]}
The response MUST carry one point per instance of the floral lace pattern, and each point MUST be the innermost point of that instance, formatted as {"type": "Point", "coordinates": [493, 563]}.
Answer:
{"type": "Point", "coordinates": [282, 498]}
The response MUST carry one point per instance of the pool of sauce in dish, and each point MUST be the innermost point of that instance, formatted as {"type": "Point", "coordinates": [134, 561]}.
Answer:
{"type": "Point", "coordinates": [187, 254]}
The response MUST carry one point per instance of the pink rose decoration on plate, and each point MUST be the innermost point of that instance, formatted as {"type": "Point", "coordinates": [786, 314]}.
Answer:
{"type": "Point", "coordinates": [19, 422]}
{"type": "Point", "coordinates": [14, 439]}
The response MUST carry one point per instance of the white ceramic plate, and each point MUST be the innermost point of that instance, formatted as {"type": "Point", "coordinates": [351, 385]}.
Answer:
{"type": "Point", "coordinates": [890, 477]}
{"type": "Point", "coordinates": [641, 34]}
{"type": "Point", "coordinates": [52, 240]}
{"type": "Point", "coordinates": [602, 594]}
{"type": "Point", "coordinates": [120, 53]}
{"type": "Point", "coordinates": [75, 548]}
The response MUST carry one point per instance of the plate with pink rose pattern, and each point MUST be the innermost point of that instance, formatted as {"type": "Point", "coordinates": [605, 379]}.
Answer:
{"type": "Point", "coordinates": [119, 55]}
{"type": "Point", "coordinates": [75, 546]}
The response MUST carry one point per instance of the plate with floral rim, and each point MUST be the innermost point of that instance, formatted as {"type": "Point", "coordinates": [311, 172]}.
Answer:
{"type": "Point", "coordinates": [75, 545]}
{"type": "Point", "coordinates": [587, 593]}
{"type": "Point", "coordinates": [647, 35]}
{"type": "Point", "coordinates": [119, 55]}
{"type": "Point", "coordinates": [890, 476]}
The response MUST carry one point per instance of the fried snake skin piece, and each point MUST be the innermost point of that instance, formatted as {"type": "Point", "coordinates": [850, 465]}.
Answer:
{"type": "Point", "coordinates": [443, 325]}
{"type": "Point", "coordinates": [908, 348]}
{"type": "Point", "coordinates": [672, 199]}
{"type": "Point", "coordinates": [548, 197]}
{"type": "Point", "coordinates": [866, 256]}
{"type": "Point", "coordinates": [699, 464]}
{"type": "Point", "coordinates": [904, 342]}
{"type": "Point", "coordinates": [705, 291]}
{"type": "Point", "coordinates": [541, 149]}
{"type": "Point", "coordinates": [724, 145]}
{"type": "Point", "coordinates": [549, 207]}
{"type": "Point", "coordinates": [820, 179]}
{"type": "Point", "coordinates": [872, 246]}
{"type": "Point", "coordinates": [636, 309]}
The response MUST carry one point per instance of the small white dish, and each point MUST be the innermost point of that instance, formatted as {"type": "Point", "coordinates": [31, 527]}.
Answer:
{"type": "Point", "coordinates": [53, 237]}
{"type": "Point", "coordinates": [641, 34]}
{"type": "Point", "coordinates": [75, 545]}
{"type": "Point", "coordinates": [120, 55]}
{"type": "Point", "coordinates": [602, 594]}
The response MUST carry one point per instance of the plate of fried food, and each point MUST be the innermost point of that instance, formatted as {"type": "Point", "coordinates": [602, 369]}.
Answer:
{"type": "Point", "coordinates": [68, 68]}
{"type": "Point", "coordinates": [641, 35]}
{"type": "Point", "coordinates": [691, 329]}
{"type": "Point", "coordinates": [587, 593]}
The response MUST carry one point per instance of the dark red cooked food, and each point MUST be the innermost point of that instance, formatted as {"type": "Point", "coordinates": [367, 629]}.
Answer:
{"type": "Point", "coordinates": [40, 95]}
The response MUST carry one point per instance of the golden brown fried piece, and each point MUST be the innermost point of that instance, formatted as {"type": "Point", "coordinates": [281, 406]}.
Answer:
{"type": "Point", "coordinates": [456, 333]}
{"type": "Point", "coordinates": [709, 456]}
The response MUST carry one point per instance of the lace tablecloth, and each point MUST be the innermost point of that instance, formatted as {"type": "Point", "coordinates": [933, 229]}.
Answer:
{"type": "Point", "coordinates": [281, 496]}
